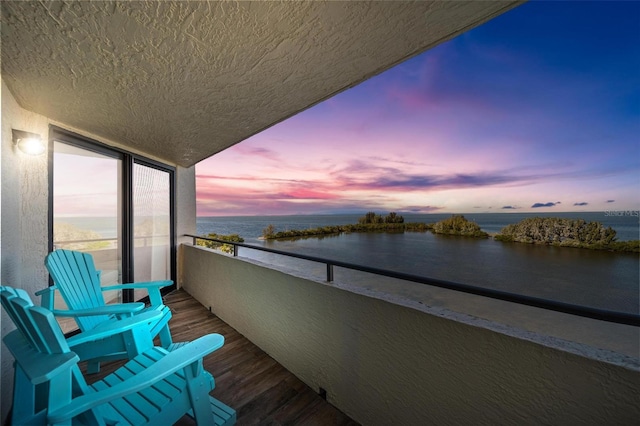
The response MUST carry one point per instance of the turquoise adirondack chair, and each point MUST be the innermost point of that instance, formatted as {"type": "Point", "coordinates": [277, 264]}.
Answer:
{"type": "Point", "coordinates": [157, 387]}
{"type": "Point", "coordinates": [128, 337]}
{"type": "Point", "coordinates": [76, 278]}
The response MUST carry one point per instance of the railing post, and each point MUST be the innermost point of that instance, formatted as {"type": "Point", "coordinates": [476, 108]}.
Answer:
{"type": "Point", "coordinates": [329, 272]}
{"type": "Point", "coordinates": [235, 250]}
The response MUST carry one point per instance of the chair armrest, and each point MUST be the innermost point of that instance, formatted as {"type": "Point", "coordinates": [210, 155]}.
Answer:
{"type": "Point", "coordinates": [49, 289]}
{"type": "Point", "coordinates": [38, 367]}
{"type": "Point", "coordinates": [115, 309]}
{"type": "Point", "coordinates": [153, 288]}
{"type": "Point", "coordinates": [47, 295]}
{"type": "Point", "coordinates": [147, 284]}
{"type": "Point", "coordinates": [169, 364]}
{"type": "Point", "coordinates": [109, 329]}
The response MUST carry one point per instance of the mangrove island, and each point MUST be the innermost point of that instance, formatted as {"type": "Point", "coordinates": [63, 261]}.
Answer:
{"type": "Point", "coordinates": [576, 233]}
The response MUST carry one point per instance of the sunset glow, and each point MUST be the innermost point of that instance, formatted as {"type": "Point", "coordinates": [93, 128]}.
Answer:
{"type": "Point", "coordinates": [536, 110]}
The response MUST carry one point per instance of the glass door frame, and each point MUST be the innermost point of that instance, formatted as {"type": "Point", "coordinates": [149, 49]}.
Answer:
{"type": "Point", "coordinates": [137, 159]}
{"type": "Point", "coordinates": [128, 159]}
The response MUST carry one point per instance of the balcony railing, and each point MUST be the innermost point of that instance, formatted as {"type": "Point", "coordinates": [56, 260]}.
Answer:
{"type": "Point", "coordinates": [391, 358]}
{"type": "Point", "coordinates": [551, 305]}
{"type": "Point", "coordinates": [139, 241]}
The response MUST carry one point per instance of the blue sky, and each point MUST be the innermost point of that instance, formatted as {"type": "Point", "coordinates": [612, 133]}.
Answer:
{"type": "Point", "coordinates": [536, 110]}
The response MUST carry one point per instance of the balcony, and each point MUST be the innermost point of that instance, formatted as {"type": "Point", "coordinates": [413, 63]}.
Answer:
{"type": "Point", "coordinates": [396, 362]}
{"type": "Point", "coordinates": [380, 360]}
{"type": "Point", "coordinates": [253, 383]}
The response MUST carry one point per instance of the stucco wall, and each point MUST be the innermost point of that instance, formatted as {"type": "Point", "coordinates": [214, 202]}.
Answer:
{"type": "Point", "coordinates": [23, 238]}
{"type": "Point", "coordinates": [186, 203]}
{"type": "Point", "coordinates": [382, 363]}
{"type": "Point", "coordinates": [24, 204]}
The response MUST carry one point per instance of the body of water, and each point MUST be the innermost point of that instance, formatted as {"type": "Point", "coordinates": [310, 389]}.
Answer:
{"type": "Point", "coordinates": [585, 277]}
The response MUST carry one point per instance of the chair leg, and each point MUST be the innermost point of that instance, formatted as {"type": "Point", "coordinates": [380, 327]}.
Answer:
{"type": "Point", "coordinates": [60, 393]}
{"type": "Point", "coordinates": [137, 340]}
{"type": "Point", "coordinates": [24, 398]}
{"type": "Point", "coordinates": [199, 393]}
{"type": "Point", "coordinates": [165, 337]}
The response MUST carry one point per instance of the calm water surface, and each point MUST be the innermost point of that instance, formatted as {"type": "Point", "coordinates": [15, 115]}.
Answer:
{"type": "Point", "coordinates": [585, 277]}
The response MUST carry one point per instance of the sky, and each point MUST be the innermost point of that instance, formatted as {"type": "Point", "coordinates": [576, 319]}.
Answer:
{"type": "Point", "coordinates": [537, 110]}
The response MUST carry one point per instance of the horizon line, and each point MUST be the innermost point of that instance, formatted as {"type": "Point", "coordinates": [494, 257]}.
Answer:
{"type": "Point", "coordinates": [617, 212]}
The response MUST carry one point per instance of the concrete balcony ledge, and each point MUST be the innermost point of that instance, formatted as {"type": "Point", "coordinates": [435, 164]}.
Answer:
{"type": "Point", "coordinates": [386, 359]}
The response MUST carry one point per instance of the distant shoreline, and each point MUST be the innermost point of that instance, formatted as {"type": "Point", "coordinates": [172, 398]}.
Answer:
{"type": "Point", "coordinates": [549, 231]}
{"type": "Point", "coordinates": [604, 213]}
{"type": "Point", "coordinates": [626, 225]}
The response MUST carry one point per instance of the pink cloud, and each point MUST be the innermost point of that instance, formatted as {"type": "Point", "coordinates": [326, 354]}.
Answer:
{"type": "Point", "coordinates": [303, 193]}
{"type": "Point", "coordinates": [205, 177]}
{"type": "Point", "coordinates": [252, 151]}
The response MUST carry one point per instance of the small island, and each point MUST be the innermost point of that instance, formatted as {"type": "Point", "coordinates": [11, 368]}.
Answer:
{"type": "Point", "coordinates": [459, 225]}
{"type": "Point", "coordinates": [227, 248]}
{"type": "Point", "coordinates": [560, 232]}
{"type": "Point", "coordinates": [370, 222]}
{"type": "Point", "coordinates": [566, 233]}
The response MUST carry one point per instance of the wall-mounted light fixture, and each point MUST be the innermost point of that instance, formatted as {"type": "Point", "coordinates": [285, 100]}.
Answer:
{"type": "Point", "coordinates": [29, 143]}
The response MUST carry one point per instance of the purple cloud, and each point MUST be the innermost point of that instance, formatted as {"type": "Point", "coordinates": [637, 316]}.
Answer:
{"type": "Point", "coordinates": [509, 208]}
{"type": "Point", "coordinates": [252, 151]}
{"type": "Point", "coordinates": [361, 174]}
{"type": "Point", "coordinates": [581, 204]}
{"type": "Point", "coordinates": [537, 205]}
{"type": "Point", "coordinates": [244, 178]}
{"type": "Point", "coordinates": [419, 209]}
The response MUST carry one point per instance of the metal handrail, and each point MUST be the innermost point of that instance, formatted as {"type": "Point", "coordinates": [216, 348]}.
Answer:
{"type": "Point", "coordinates": [552, 305]}
{"type": "Point", "coordinates": [138, 237]}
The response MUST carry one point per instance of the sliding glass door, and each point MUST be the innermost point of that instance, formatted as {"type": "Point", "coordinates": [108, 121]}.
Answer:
{"type": "Point", "coordinates": [115, 205]}
{"type": "Point", "coordinates": [87, 208]}
{"type": "Point", "coordinates": [151, 224]}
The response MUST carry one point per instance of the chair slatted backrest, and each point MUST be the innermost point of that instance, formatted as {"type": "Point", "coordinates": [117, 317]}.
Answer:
{"type": "Point", "coordinates": [78, 281]}
{"type": "Point", "coordinates": [36, 324]}
{"type": "Point", "coordinates": [16, 312]}
{"type": "Point", "coordinates": [42, 339]}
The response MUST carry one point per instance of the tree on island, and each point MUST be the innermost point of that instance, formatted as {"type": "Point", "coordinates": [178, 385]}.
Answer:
{"type": "Point", "coordinates": [459, 225]}
{"type": "Point", "coordinates": [226, 248]}
{"type": "Point", "coordinates": [393, 217]}
{"type": "Point", "coordinates": [373, 218]}
{"type": "Point", "coordinates": [268, 232]}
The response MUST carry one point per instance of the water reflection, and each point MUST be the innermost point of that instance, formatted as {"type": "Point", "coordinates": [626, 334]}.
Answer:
{"type": "Point", "coordinates": [598, 279]}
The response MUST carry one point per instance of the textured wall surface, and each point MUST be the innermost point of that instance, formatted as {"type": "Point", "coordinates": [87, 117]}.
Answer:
{"type": "Point", "coordinates": [182, 80]}
{"type": "Point", "coordinates": [382, 363]}
{"type": "Point", "coordinates": [186, 204]}
{"type": "Point", "coordinates": [24, 232]}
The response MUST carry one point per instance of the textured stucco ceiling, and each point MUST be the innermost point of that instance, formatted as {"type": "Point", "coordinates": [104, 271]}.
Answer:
{"type": "Point", "coordinates": [182, 80]}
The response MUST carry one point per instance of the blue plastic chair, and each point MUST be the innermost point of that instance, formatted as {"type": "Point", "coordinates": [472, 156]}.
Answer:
{"type": "Point", "coordinates": [76, 278]}
{"type": "Point", "coordinates": [157, 387]}
{"type": "Point", "coordinates": [127, 337]}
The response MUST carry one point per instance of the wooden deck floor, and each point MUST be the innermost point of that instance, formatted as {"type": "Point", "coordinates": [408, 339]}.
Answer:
{"type": "Point", "coordinates": [247, 379]}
